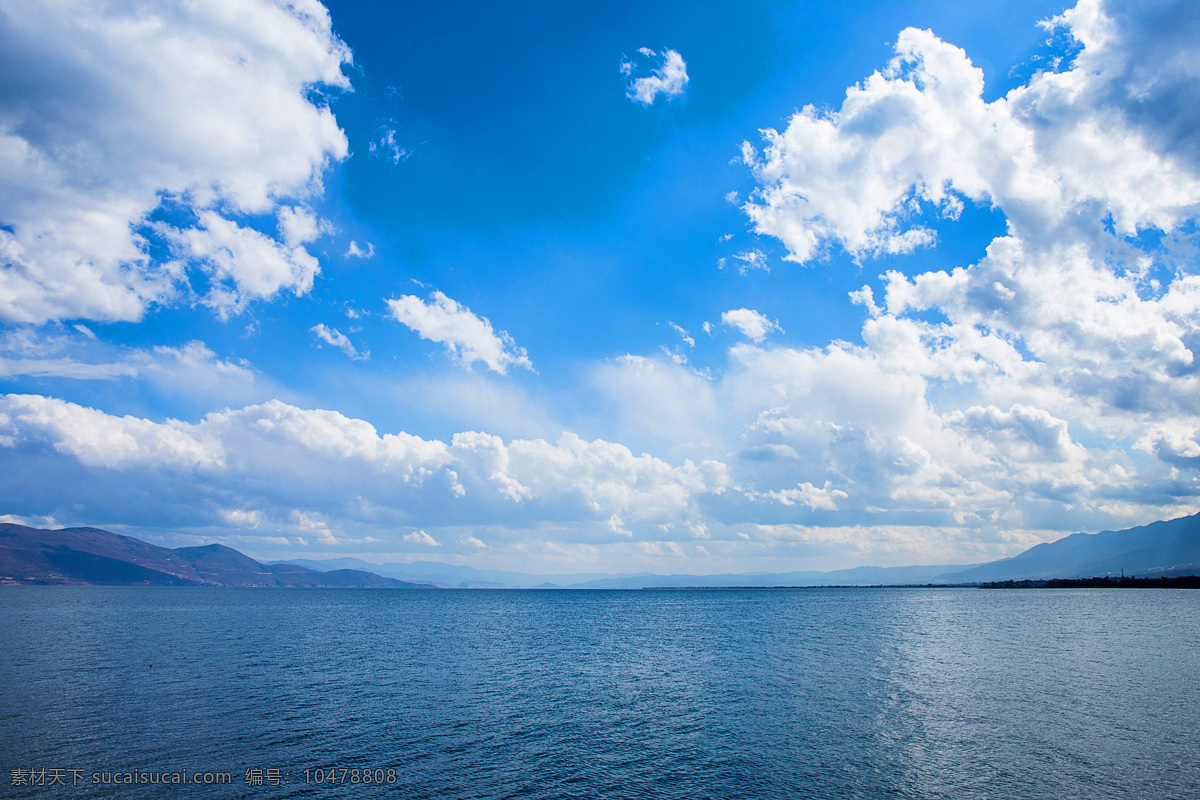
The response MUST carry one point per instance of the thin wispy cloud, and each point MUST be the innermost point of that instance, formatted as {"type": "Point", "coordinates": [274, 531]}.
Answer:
{"type": "Point", "coordinates": [385, 147]}
{"type": "Point", "coordinates": [335, 338]}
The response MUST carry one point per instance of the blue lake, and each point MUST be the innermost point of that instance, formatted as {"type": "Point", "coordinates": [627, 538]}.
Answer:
{"type": "Point", "coordinates": [822, 693]}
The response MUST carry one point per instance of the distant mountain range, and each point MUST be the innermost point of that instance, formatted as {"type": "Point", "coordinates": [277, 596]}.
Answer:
{"type": "Point", "coordinates": [1159, 549]}
{"type": "Point", "coordinates": [94, 556]}
{"type": "Point", "coordinates": [458, 577]}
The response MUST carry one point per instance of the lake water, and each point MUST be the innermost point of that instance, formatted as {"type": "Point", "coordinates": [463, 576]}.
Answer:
{"type": "Point", "coordinates": [822, 693]}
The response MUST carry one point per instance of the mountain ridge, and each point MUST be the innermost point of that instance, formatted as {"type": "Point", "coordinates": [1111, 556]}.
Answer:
{"type": "Point", "coordinates": [91, 556]}
{"type": "Point", "coordinates": [1161, 549]}
{"type": "Point", "coordinates": [88, 555]}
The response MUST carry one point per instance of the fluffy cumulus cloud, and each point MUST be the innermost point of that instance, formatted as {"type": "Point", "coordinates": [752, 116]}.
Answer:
{"type": "Point", "coordinates": [1106, 140]}
{"type": "Point", "coordinates": [825, 498]}
{"type": "Point", "coordinates": [1050, 386]}
{"type": "Point", "coordinates": [277, 466]}
{"type": "Point", "coordinates": [243, 263]}
{"type": "Point", "coordinates": [749, 323]}
{"type": "Point", "coordinates": [1052, 383]}
{"type": "Point", "coordinates": [668, 79]}
{"type": "Point", "coordinates": [422, 538]}
{"type": "Point", "coordinates": [190, 125]}
{"type": "Point", "coordinates": [467, 337]}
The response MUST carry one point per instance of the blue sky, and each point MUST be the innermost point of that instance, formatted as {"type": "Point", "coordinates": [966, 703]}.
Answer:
{"type": "Point", "coordinates": [449, 283]}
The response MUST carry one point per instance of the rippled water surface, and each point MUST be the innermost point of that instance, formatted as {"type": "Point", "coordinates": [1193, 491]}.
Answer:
{"type": "Point", "coordinates": [835, 693]}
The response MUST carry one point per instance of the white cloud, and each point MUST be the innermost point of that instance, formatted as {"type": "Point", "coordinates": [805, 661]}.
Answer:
{"type": "Point", "coordinates": [750, 323]}
{"type": "Point", "coordinates": [276, 461]}
{"type": "Point", "coordinates": [1052, 385]}
{"type": "Point", "coordinates": [1057, 384]}
{"type": "Point", "coordinates": [683, 334]}
{"type": "Point", "coordinates": [422, 538]}
{"type": "Point", "coordinates": [966, 486]}
{"type": "Point", "coordinates": [662, 549]}
{"type": "Point", "coordinates": [669, 79]}
{"type": "Point", "coordinates": [1030, 448]}
{"type": "Point", "coordinates": [244, 264]}
{"type": "Point", "coordinates": [201, 110]}
{"type": "Point", "coordinates": [48, 523]}
{"type": "Point", "coordinates": [824, 498]}
{"type": "Point", "coordinates": [752, 259]}
{"type": "Point", "coordinates": [467, 337]}
{"type": "Point", "coordinates": [299, 225]}
{"type": "Point", "coordinates": [192, 369]}
{"type": "Point", "coordinates": [354, 251]}
{"type": "Point", "coordinates": [314, 524]}
{"type": "Point", "coordinates": [660, 405]}
{"type": "Point", "coordinates": [678, 354]}
{"type": "Point", "coordinates": [97, 439]}
{"type": "Point", "coordinates": [617, 525]}
{"type": "Point", "coordinates": [334, 337]}
{"type": "Point", "coordinates": [1069, 147]}
{"type": "Point", "coordinates": [849, 420]}
{"type": "Point", "coordinates": [385, 147]}
{"type": "Point", "coordinates": [238, 518]}
{"type": "Point", "coordinates": [196, 373]}
{"type": "Point", "coordinates": [63, 368]}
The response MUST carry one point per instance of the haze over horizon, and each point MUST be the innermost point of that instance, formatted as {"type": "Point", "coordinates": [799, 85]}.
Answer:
{"type": "Point", "coordinates": [695, 289]}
